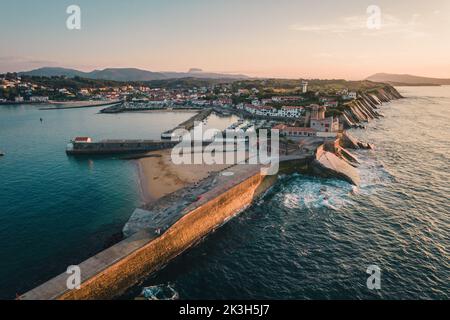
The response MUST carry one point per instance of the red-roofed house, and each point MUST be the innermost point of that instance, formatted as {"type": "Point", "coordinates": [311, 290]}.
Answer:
{"type": "Point", "coordinates": [83, 139]}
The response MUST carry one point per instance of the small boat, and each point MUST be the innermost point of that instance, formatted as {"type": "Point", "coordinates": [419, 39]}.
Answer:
{"type": "Point", "coordinates": [2, 153]}
{"type": "Point", "coordinates": [167, 135]}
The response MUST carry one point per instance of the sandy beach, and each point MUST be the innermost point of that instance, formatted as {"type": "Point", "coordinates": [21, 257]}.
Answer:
{"type": "Point", "coordinates": [159, 176]}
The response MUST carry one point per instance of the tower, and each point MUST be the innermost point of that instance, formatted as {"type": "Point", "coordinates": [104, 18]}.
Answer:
{"type": "Point", "coordinates": [304, 86]}
{"type": "Point", "coordinates": [321, 113]}
{"type": "Point", "coordinates": [315, 112]}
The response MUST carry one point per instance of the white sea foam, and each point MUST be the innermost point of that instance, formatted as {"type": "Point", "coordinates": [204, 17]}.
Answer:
{"type": "Point", "coordinates": [314, 193]}
{"type": "Point", "coordinates": [160, 292]}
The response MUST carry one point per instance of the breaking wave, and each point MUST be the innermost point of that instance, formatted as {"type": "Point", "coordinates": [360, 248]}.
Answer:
{"type": "Point", "coordinates": [160, 292]}
{"type": "Point", "coordinates": [305, 192]}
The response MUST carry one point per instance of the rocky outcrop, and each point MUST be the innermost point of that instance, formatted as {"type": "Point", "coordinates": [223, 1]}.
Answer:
{"type": "Point", "coordinates": [333, 160]}
{"type": "Point", "coordinates": [364, 108]}
{"type": "Point", "coordinates": [329, 165]}
{"type": "Point", "coordinates": [346, 155]}
{"type": "Point", "coordinates": [350, 142]}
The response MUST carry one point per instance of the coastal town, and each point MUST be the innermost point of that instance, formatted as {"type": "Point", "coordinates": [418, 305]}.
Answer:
{"type": "Point", "coordinates": [293, 108]}
{"type": "Point", "coordinates": [224, 158]}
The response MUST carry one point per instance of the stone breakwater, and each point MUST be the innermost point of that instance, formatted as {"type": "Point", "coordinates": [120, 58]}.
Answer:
{"type": "Point", "coordinates": [365, 108]}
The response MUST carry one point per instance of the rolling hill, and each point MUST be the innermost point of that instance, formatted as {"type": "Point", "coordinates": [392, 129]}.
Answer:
{"type": "Point", "coordinates": [406, 79]}
{"type": "Point", "coordinates": [128, 74]}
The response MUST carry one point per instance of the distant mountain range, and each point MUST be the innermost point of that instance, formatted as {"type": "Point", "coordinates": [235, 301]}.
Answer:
{"type": "Point", "coordinates": [129, 74]}
{"type": "Point", "coordinates": [406, 79]}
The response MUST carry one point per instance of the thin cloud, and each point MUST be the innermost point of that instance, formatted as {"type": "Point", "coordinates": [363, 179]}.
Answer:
{"type": "Point", "coordinates": [358, 25]}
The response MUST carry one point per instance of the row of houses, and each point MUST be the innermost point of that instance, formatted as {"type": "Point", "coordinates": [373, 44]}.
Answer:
{"type": "Point", "coordinates": [288, 131]}
{"type": "Point", "coordinates": [33, 99]}
{"type": "Point", "coordinates": [285, 112]}
{"type": "Point", "coordinates": [320, 125]}
{"type": "Point", "coordinates": [39, 99]}
{"type": "Point", "coordinates": [313, 131]}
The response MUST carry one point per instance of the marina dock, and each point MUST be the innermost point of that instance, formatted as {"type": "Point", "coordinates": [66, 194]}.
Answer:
{"type": "Point", "coordinates": [188, 124]}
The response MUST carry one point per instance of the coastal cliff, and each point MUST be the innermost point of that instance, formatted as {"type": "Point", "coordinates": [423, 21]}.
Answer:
{"type": "Point", "coordinates": [364, 108]}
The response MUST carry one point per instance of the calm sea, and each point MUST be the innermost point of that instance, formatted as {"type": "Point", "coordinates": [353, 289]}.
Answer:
{"type": "Point", "coordinates": [314, 239]}
{"type": "Point", "coordinates": [57, 210]}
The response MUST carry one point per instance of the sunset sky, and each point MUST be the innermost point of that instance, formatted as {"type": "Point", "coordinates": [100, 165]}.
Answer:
{"type": "Point", "coordinates": [265, 38]}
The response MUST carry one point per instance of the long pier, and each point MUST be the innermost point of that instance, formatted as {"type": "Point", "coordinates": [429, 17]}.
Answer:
{"type": "Point", "coordinates": [107, 147]}
{"type": "Point", "coordinates": [188, 124]}
{"type": "Point", "coordinates": [65, 107]}
{"type": "Point", "coordinates": [130, 107]}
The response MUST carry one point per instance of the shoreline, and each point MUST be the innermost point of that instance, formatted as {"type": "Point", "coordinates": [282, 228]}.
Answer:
{"type": "Point", "coordinates": [144, 194]}
{"type": "Point", "coordinates": [159, 176]}
{"type": "Point", "coordinates": [63, 104]}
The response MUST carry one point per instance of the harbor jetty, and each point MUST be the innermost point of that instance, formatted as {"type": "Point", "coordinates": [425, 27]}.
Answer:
{"type": "Point", "coordinates": [189, 124]}
{"type": "Point", "coordinates": [85, 146]}
{"type": "Point", "coordinates": [62, 106]}
{"type": "Point", "coordinates": [146, 106]}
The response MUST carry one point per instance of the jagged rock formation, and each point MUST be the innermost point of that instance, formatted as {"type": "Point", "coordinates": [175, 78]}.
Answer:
{"type": "Point", "coordinates": [365, 107]}
{"type": "Point", "coordinates": [333, 160]}
{"type": "Point", "coordinates": [350, 142]}
{"type": "Point", "coordinates": [329, 165]}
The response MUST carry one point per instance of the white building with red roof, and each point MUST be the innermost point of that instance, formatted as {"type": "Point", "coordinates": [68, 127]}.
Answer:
{"type": "Point", "coordinates": [82, 140]}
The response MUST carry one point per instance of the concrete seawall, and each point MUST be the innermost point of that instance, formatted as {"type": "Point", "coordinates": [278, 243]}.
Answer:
{"type": "Point", "coordinates": [111, 272]}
